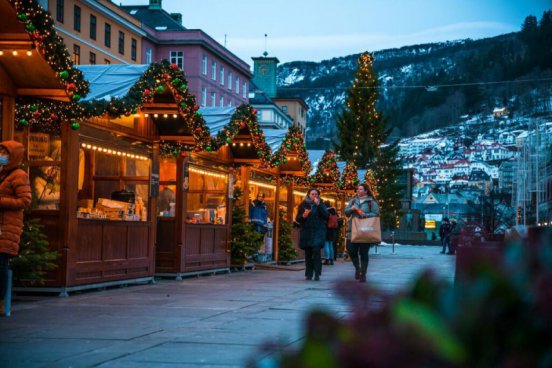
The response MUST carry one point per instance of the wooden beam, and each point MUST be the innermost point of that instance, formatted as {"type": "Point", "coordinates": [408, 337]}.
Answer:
{"type": "Point", "coordinates": [44, 93]}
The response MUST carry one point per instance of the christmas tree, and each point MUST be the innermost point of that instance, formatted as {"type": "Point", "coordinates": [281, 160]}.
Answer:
{"type": "Point", "coordinates": [35, 257]}
{"type": "Point", "coordinates": [370, 179]}
{"type": "Point", "coordinates": [286, 251]}
{"type": "Point", "coordinates": [362, 134]}
{"type": "Point", "coordinates": [349, 178]}
{"type": "Point", "coordinates": [246, 242]}
{"type": "Point", "coordinates": [360, 128]}
{"type": "Point", "coordinates": [327, 171]}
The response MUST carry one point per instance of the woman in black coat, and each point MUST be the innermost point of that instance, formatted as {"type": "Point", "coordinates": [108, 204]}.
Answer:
{"type": "Point", "coordinates": [312, 215]}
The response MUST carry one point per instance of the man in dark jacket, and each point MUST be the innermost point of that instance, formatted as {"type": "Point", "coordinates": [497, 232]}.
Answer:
{"type": "Point", "coordinates": [444, 233]}
{"type": "Point", "coordinates": [312, 215]}
{"type": "Point", "coordinates": [258, 214]}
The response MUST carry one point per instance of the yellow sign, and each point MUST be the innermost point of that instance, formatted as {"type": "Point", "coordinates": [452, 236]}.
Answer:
{"type": "Point", "coordinates": [430, 224]}
{"type": "Point", "coordinates": [39, 146]}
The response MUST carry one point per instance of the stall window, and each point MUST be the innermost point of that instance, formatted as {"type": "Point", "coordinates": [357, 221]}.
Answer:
{"type": "Point", "coordinates": [265, 189]}
{"type": "Point", "coordinates": [113, 185]}
{"type": "Point", "coordinates": [167, 187]}
{"type": "Point", "coordinates": [207, 195]}
{"type": "Point", "coordinates": [44, 152]}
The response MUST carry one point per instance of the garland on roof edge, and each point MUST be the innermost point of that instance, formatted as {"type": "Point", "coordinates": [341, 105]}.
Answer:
{"type": "Point", "coordinates": [293, 143]}
{"type": "Point", "coordinates": [39, 25]}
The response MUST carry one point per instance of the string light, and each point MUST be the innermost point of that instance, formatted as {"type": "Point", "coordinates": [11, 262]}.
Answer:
{"type": "Point", "coordinates": [208, 173]}
{"type": "Point", "coordinates": [110, 151]}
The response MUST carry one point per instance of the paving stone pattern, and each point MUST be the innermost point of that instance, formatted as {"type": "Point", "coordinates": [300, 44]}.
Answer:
{"type": "Point", "coordinates": [214, 321]}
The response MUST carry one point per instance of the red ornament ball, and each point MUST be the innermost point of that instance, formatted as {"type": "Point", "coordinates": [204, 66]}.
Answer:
{"type": "Point", "coordinates": [174, 67]}
{"type": "Point", "coordinates": [53, 117]}
{"type": "Point", "coordinates": [147, 92]}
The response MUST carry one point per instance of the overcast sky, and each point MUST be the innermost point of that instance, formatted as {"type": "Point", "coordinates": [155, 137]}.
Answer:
{"type": "Point", "coordinates": [316, 30]}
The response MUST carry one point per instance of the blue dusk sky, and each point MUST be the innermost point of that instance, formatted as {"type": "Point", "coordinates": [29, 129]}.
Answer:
{"type": "Point", "coordinates": [315, 30]}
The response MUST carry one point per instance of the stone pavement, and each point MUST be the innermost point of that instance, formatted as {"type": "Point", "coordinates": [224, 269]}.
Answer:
{"type": "Point", "coordinates": [214, 321]}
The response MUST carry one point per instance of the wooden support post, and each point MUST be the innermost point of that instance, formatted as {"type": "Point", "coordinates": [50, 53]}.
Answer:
{"type": "Point", "coordinates": [276, 223]}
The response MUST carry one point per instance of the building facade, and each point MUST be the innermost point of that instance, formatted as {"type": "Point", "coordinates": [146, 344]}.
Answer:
{"type": "Point", "coordinates": [216, 76]}
{"type": "Point", "coordinates": [97, 31]}
{"type": "Point", "coordinates": [296, 108]}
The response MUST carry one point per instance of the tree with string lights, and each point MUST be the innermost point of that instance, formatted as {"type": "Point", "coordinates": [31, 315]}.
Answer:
{"type": "Point", "coordinates": [362, 133]}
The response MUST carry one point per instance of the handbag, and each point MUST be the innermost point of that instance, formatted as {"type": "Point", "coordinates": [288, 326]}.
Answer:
{"type": "Point", "coordinates": [366, 230]}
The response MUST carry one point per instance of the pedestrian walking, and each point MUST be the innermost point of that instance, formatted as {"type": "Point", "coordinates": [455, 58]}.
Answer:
{"type": "Point", "coordinates": [331, 232]}
{"type": "Point", "coordinates": [362, 205]}
{"type": "Point", "coordinates": [444, 234]}
{"type": "Point", "coordinates": [15, 196]}
{"type": "Point", "coordinates": [312, 215]}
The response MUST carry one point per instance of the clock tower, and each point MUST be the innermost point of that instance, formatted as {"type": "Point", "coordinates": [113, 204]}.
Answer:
{"type": "Point", "coordinates": [264, 74]}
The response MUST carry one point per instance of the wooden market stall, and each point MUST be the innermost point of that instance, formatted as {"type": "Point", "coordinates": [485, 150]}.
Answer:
{"type": "Point", "coordinates": [195, 202]}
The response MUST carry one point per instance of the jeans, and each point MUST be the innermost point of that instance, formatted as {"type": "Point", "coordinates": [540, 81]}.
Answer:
{"type": "Point", "coordinates": [4, 258]}
{"type": "Point", "coordinates": [359, 249]}
{"type": "Point", "coordinates": [446, 243]}
{"type": "Point", "coordinates": [329, 250]}
{"type": "Point", "coordinates": [313, 261]}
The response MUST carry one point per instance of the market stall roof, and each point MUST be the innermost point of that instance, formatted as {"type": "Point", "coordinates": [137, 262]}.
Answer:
{"type": "Point", "coordinates": [217, 118]}
{"type": "Point", "coordinates": [274, 138]}
{"type": "Point", "coordinates": [29, 71]}
{"type": "Point", "coordinates": [111, 81]}
{"type": "Point", "coordinates": [315, 157]}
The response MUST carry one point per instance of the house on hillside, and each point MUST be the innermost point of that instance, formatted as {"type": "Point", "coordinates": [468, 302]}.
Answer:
{"type": "Point", "coordinates": [500, 112]}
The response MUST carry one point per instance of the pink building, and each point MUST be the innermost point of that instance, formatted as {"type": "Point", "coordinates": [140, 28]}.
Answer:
{"type": "Point", "coordinates": [215, 75]}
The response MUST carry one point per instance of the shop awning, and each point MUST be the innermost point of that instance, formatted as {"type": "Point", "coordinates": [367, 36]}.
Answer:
{"type": "Point", "coordinates": [111, 81]}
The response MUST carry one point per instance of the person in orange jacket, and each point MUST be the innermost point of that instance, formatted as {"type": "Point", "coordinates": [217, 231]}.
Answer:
{"type": "Point", "coordinates": [15, 196]}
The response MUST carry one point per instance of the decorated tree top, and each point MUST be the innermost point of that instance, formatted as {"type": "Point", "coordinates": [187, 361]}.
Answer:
{"type": "Point", "coordinates": [327, 170]}
{"type": "Point", "coordinates": [371, 181]}
{"type": "Point", "coordinates": [349, 177]}
{"type": "Point", "coordinates": [293, 143]}
{"type": "Point", "coordinates": [39, 25]}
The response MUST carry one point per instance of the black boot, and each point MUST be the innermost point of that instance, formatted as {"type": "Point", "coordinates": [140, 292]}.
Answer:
{"type": "Point", "coordinates": [357, 274]}
{"type": "Point", "coordinates": [362, 277]}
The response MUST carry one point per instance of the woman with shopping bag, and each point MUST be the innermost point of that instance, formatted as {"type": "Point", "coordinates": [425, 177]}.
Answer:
{"type": "Point", "coordinates": [363, 229]}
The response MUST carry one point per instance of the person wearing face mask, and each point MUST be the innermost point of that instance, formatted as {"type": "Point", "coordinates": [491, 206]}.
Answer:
{"type": "Point", "coordinates": [15, 195]}
{"type": "Point", "coordinates": [362, 205]}
{"type": "Point", "coordinates": [312, 215]}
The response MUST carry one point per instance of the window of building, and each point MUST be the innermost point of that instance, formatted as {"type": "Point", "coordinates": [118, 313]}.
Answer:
{"type": "Point", "coordinates": [133, 45]}
{"type": "Point", "coordinates": [107, 35]}
{"type": "Point", "coordinates": [238, 85]}
{"type": "Point", "coordinates": [204, 65]}
{"type": "Point", "coordinates": [221, 101]}
{"type": "Point", "coordinates": [213, 70]}
{"type": "Point", "coordinates": [213, 99]}
{"type": "Point", "coordinates": [244, 90]}
{"type": "Point", "coordinates": [60, 9]}
{"type": "Point", "coordinates": [148, 55]}
{"type": "Point", "coordinates": [203, 96]}
{"type": "Point", "coordinates": [284, 108]}
{"type": "Point", "coordinates": [93, 22]}
{"type": "Point", "coordinates": [230, 80]}
{"type": "Point", "coordinates": [76, 54]}
{"type": "Point", "coordinates": [92, 59]}
{"type": "Point", "coordinates": [230, 103]}
{"type": "Point", "coordinates": [221, 75]}
{"type": "Point", "coordinates": [121, 43]}
{"type": "Point", "coordinates": [177, 57]}
{"type": "Point", "coordinates": [107, 62]}
{"type": "Point", "coordinates": [77, 18]}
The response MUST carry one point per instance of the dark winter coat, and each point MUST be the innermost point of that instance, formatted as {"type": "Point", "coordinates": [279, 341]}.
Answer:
{"type": "Point", "coordinates": [258, 214]}
{"type": "Point", "coordinates": [15, 195]}
{"type": "Point", "coordinates": [313, 227]}
{"type": "Point", "coordinates": [367, 204]}
{"type": "Point", "coordinates": [444, 229]}
{"type": "Point", "coordinates": [332, 232]}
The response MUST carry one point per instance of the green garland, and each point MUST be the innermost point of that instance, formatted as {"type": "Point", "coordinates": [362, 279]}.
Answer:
{"type": "Point", "coordinates": [292, 143]}
{"type": "Point", "coordinates": [46, 116]}
{"type": "Point", "coordinates": [244, 117]}
{"type": "Point", "coordinates": [40, 27]}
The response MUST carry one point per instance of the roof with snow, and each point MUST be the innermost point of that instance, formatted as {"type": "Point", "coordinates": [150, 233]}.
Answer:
{"type": "Point", "coordinates": [111, 80]}
{"type": "Point", "coordinates": [217, 118]}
